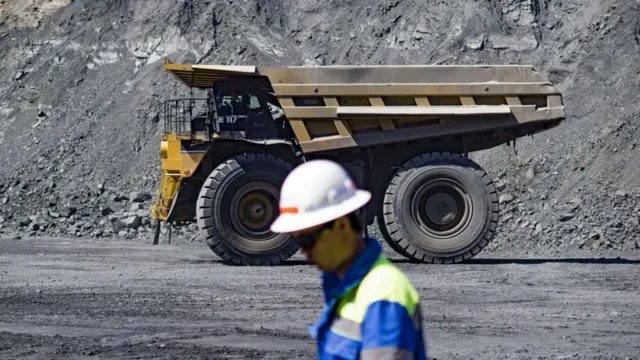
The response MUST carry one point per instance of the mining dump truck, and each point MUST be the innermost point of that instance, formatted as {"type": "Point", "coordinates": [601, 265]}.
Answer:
{"type": "Point", "coordinates": [403, 132]}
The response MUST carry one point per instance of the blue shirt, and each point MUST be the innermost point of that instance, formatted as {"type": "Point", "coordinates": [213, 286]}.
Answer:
{"type": "Point", "coordinates": [371, 313]}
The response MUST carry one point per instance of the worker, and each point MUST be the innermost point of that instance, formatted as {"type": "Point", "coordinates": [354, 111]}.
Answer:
{"type": "Point", "coordinates": [372, 310]}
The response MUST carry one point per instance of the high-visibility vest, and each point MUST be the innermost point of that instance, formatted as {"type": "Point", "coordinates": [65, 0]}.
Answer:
{"type": "Point", "coordinates": [378, 317]}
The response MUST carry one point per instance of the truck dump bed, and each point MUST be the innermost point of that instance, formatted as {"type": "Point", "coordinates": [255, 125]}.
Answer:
{"type": "Point", "coordinates": [339, 107]}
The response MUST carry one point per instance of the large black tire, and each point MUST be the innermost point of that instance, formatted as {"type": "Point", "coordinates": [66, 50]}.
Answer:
{"type": "Point", "coordinates": [387, 238]}
{"type": "Point", "coordinates": [245, 186]}
{"type": "Point", "coordinates": [440, 208]}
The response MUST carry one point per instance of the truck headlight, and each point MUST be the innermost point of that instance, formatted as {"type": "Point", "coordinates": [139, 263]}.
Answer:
{"type": "Point", "coordinates": [164, 149]}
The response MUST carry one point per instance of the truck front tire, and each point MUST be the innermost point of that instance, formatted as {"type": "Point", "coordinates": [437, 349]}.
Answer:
{"type": "Point", "coordinates": [440, 208]}
{"type": "Point", "coordinates": [236, 206]}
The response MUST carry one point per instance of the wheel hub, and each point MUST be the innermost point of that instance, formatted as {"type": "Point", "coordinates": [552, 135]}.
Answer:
{"type": "Point", "coordinates": [441, 208]}
{"type": "Point", "coordinates": [257, 210]}
{"type": "Point", "coordinates": [253, 209]}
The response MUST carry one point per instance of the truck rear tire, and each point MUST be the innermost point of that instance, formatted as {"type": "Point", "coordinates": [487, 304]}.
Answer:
{"type": "Point", "coordinates": [387, 238]}
{"type": "Point", "coordinates": [440, 208]}
{"type": "Point", "coordinates": [236, 206]}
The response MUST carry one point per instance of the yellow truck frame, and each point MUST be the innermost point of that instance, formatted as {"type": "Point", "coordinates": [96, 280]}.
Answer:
{"type": "Point", "coordinates": [403, 131]}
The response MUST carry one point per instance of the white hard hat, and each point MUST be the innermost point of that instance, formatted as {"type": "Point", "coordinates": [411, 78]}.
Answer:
{"type": "Point", "coordinates": [316, 192]}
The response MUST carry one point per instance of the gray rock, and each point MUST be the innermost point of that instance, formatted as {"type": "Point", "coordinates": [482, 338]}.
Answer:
{"type": "Point", "coordinates": [118, 225]}
{"type": "Point", "coordinates": [114, 206]}
{"type": "Point", "coordinates": [119, 198]}
{"type": "Point", "coordinates": [135, 206]}
{"type": "Point", "coordinates": [475, 43]}
{"type": "Point", "coordinates": [501, 184]}
{"type": "Point", "coordinates": [68, 211]}
{"type": "Point", "coordinates": [596, 234]}
{"type": "Point", "coordinates": [502, 42]}
{"type": "Point", "coordinates": [140, 197]}
{"type": "Point", "coordinates": [132, 222]}
{"type": "Point", "coordinates": [141, 54]}
{"type": "Point", "coordinates": [566, 217]}
{"type": "Point", "coordinates": [530, 174]}
{"type": "Point", "coordinates": [505, 198]}
{"type": "Point", "coordinates": [538, 228]}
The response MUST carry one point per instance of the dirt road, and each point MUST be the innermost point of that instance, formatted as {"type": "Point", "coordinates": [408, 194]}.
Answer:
{"type": "Point", "coordinates": [63, 298]}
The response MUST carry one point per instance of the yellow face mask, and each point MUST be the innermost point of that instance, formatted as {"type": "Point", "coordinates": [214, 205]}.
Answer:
{"type": "Point", "coordinates": [334, 246]}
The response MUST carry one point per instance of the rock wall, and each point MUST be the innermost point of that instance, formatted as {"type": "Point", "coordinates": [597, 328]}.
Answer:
{"type": "Point", "coordinates": [81, 90]}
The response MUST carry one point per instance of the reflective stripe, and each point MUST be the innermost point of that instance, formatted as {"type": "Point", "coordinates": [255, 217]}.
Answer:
{"type": "Point", "coordinates": [385, 353]}
{"type": "Point", "coordinates": [347, 328]}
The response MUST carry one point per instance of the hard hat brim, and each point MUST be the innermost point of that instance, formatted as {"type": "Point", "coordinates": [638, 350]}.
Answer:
{"type": "Point", "coordinates": [287, 223]}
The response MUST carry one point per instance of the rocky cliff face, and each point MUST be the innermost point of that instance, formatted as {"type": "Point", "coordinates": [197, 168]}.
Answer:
{"type": "Point", "coordinates": [21, 14]}
{"type": "Point", "coordinates": [82, 83]}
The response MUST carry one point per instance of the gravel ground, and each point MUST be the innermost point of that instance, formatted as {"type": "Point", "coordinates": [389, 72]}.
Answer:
{"type": "Point", "coordinates": [73, 298]}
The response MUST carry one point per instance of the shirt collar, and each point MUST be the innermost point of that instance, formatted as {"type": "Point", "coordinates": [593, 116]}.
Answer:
{"type": "Point", "coordinates": [333, 286]}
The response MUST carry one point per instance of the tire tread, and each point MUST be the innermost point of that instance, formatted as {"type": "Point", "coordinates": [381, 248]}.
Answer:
{"type": "Point", "coordinates": [395, 238]}
{"type": "Point", "coordinates": [212, 235]}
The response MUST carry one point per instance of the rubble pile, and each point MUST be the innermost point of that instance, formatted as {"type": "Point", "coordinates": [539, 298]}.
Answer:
{"type": "Point", "coordinates": [82, 85]}
{"type": "Point", "coordinates": [101, 212]}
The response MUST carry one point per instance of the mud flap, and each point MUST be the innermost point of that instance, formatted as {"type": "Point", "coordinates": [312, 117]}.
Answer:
{"type": "Point", "coordinates": [171, 213]}
{"type": "Point", "coordinates": [156, 235]}
{"type": "Point", "coordinates": [183, 207]}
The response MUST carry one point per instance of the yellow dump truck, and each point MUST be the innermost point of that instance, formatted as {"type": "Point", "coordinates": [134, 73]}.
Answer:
{"type": "Point", "coordinates": [403, 131]}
